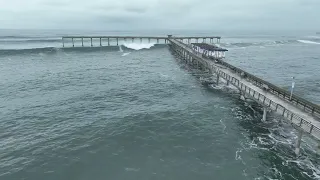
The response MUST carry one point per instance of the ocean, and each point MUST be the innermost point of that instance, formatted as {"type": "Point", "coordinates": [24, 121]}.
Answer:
{"type": "Point", "coordinates": [135, 111]}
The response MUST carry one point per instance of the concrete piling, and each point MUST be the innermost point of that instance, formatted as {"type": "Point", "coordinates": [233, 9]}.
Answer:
{"type": "Point", "coordinates": [264, 116]}
{"type": "Point", "coordinates": [218, 76]}
{"type": "Point", "coordinates": [298, 143]}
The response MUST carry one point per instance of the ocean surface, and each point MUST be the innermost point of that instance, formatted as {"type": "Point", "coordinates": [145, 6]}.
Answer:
{"type": "Point", "coordinates": [136, 112]}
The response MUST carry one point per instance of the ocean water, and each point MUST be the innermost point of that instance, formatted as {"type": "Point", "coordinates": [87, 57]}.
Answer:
{"type": "Point", "coordinates": [135, 111]}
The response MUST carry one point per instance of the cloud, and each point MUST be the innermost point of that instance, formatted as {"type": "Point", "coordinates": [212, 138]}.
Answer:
{"type": "Point", "coordinates": [171, 14]}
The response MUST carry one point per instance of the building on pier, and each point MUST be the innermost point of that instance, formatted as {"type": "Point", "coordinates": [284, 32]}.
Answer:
{"type": "Point", "coordinates": [209, 50]}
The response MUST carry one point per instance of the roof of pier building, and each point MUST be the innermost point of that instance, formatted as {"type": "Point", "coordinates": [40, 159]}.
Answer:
{"type": "Point", "coordinates": [209, 47]}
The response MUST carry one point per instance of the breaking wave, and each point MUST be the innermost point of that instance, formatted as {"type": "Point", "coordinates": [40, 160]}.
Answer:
{"type": "Point", "coordinates": [138, 46]}
{"type": "Point", "coordinates": [308, 42]}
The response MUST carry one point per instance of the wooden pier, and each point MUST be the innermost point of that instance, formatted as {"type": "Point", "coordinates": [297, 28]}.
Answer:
{"type": "Point", "coordinates": [302, 114]}
{"type": "Point", "coordinates": [115, 40]}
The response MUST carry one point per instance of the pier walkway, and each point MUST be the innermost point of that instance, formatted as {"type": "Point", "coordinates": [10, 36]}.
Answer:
{"type": "Point", "coordinates": [302, 114]}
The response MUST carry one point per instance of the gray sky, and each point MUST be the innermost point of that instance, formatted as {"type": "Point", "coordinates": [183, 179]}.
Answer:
{"type": "Point", "coordinates": [164, 14]}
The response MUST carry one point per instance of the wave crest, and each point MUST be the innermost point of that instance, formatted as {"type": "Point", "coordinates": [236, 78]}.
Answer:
{"type": "Point", "coordinates": [138, 46]}
{"type": "Point", "coordinates": [308, 42]}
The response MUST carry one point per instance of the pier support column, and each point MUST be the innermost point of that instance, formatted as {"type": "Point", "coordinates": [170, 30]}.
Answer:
{"type": "Point", "coordinates": [117, 41]}
{"type": "Point", "coordinates": [157, 41]}
{"type": "Point", "coordinates": [132, 39]}
{"type": "Point", "coordinates": [100, 42]}
{"type": "Point", "coordinates": [140, 40]}
{"type": "Point", "coordinates": [91, 42]}
{"type": "Point", "coordinates": [82, 42]}
{"type": "Point", "coordinates": [108, 41]}
{"type": "Point", "coordinates": [264, 116]}
{"type": "Point", "coordinates": [72, 43]}
{"type": "Point", "coordinates": [217, 82]}
{"type": "Point", "coordinates": [298, 143]}
{"type": "Point", "coordinates": [62, 42]}
{"type": "Point", "coordinates": [243, 96]}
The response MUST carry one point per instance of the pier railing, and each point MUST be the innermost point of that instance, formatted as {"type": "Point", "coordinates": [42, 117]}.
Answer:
{"type": "Point", "coordinates": [300, 102]}
{"type": "Point", "coordinates": [102, 39]}
{"type": "Point", "coordinates": [295, 119]}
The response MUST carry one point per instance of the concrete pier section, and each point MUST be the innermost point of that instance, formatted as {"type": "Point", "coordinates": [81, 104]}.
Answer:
{"type": "Point", "coordinates": [302, 114]}
{"type": "Point", "coordinates": [70, 41]}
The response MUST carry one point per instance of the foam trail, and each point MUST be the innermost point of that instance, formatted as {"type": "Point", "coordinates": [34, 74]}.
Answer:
{"type": "Point", "coordinates": [308, 42]}
{"type": "Point", "coordinates": [224, 126]}
{"type": "Point", "coordinates": [125, 54]}
{"type": "Point", "coordinates": [137, 46]}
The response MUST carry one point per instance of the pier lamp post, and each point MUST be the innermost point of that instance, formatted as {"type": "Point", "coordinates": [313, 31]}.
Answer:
{"type": "Point", "coordinates": [292, 86]}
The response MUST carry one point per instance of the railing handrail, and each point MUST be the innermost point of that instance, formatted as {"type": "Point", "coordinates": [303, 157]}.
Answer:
{"type": "Point", "coordinates": [313, 108]}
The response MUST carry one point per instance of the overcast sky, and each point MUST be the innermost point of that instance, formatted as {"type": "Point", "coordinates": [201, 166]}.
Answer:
{"type": "Point", "coordinates": [164, 14]}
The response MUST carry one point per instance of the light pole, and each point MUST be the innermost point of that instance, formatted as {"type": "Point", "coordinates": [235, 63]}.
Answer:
{"type": "Point", "coordinates": [292, 86]}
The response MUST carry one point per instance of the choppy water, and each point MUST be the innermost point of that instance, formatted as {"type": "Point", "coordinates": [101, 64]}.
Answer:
{"type": "Point", "coordinates": [119, 113]}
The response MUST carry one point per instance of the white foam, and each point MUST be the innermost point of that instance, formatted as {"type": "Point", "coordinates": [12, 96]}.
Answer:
{"type": "Point", "coordinates": [308, 42]}
{"type": "Point", "coordinates": [224, 126]}
{"type": "Point", "coordinates": [125, 54]}
{"type": "Point", "coordinates": [238, 157]}
{"type": "Point", "coordinates": [138, 46]}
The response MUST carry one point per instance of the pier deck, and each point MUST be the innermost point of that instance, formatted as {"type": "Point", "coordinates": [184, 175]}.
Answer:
{"type": "Point", "coordinates": [108, 39]}
{"type": "Point", "coordinates": [301, 118]}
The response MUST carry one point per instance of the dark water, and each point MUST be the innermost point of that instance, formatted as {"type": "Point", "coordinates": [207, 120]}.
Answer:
{"type": "Point", "coordinates": [110, 113]}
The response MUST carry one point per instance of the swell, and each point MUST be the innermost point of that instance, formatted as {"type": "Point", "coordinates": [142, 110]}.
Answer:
{"type": "Point", "coordinates": [54, 50]}
{"type": "Point", "coordinates": [20, 40]}
{"type": "Point", "coordinates": [264, 43]}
